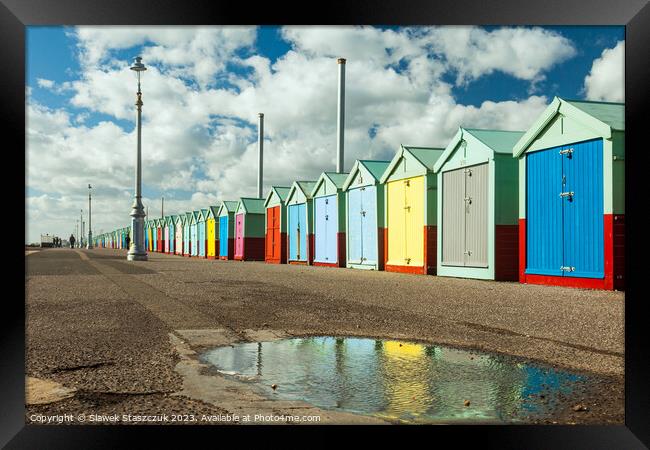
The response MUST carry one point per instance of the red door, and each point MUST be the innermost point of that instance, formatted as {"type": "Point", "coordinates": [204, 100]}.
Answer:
{"type": "Point", "coordinates": [239, 235]}
{"type": "Point", "coordinates": [273, 234]}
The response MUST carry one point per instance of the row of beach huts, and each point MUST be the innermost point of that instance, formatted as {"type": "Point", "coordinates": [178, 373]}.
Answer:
{"type": "Point", "coordinates": [544, 206]}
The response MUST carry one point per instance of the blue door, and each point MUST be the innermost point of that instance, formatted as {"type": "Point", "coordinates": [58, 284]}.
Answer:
{"type": "Point", "coordinates": [297, 228]}
{"type": "Point", "coordinates": [369, 224]}
{"type": "Point", "coordinates": [355, 232]}
{"type": "Point", "coordinates": [544, 212]}
{"type": "Point", "coordinates": [582, 207]}
{"type": "Point", "coordinates": [564, 211]}
{"type": "Point", "coordinates": [186, 239]}
{"type": "Point", "coordinates": [223, 236]}
{"type": "Point", "coordinates": [172, 238]}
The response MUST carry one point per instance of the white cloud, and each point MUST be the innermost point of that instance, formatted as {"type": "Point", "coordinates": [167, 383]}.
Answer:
{"type": "Point", "coordinates": [606, 79]}
{"type": "Point", "coordinates": [47, 84]}
{"type": "Point", "coordinates": [199, 138]}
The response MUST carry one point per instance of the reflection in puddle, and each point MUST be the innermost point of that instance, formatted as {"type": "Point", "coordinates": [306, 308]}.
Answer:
{"type": "Point", "coordinates": [397, 380]}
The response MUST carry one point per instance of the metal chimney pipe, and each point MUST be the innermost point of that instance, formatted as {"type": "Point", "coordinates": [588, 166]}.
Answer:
{"type": "Point", "coordinates": [341, 116]}
{"type": "Point", "coordinates": [260, 146]}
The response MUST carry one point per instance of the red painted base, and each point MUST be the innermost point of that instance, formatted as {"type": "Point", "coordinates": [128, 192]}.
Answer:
{"type": "Point", "coordinates": [253, 249]}
{"type": "Point", "coordinates": [298, 263]}
{"type": "Point", "coordinates": [614, 244]}
{"type": "Point", "coordinates": [430, 256]}
{"type": "Point", "coordinates": [322, 264]}
{"type": "Point", "coordinates": [506, 249]}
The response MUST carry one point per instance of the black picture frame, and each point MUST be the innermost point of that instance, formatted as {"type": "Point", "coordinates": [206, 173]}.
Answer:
{"type": "Point", "coordinates": [15, 15]}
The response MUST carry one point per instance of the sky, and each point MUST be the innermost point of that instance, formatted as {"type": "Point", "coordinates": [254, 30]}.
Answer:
{"type": "Point", "coordinates": [204, 87]}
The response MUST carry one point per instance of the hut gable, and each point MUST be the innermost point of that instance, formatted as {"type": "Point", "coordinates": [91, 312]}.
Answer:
{"type": "Point", "coordinates": [228, 207]}
{"type": "Point", "coordinates": [249, 205]}
{"type": "Point", "coordinates": [484, 143]}
{"type": "Point", "coordinates": [571, 121]}
{"type": "Point", "coordinates": [276, 196]}
{"type": "Point", "coordinates": [410, 162]}
{"type": "Point", "coordinates": [365, 173]}
{"type": "Point", "coordinates": [300, 192]}
{"type": "Point", "coordinates": [329, 183]}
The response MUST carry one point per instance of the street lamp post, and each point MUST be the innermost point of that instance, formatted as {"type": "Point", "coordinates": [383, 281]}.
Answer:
{"type": "Point", "coordinates": [90, 220]}
{"type": "Point", "coordinates": [137, 251]}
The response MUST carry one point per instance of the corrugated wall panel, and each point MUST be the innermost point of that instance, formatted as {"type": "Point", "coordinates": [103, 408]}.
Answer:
{"type": "Point", "coordinates": [476, 217]}
{"type": "Point", "coordinates": [583, 212]}
{"type": "Point", "coordinates": [453, 217]}
{"type": "Point", "coordinates": [544, 212]}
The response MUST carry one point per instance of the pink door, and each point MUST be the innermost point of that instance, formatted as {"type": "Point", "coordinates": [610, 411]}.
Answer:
{"type": "Point", "coordinates": [239, 235]}
{"type": "Point", "coordinates": [166, 239]}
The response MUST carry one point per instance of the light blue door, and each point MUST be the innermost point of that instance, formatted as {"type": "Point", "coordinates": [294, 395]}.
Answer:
{"type": "Point", "coordinates": [297, 228]}
{"type": "Point", "coordinates": [186, 240]}
{"type": "Point", "coordinates": [355, 233]}
{"type": "Point", "coordinates": [172, 239]}
{"type": "Point", "coordinates": [544, 212]}
{"type": "Point", "coordinates": [582, 208]}
{"type": "Point", "coordinates": [369, 224]}
{"type": "Point", "coordinates": [223, 236]}
{"type": "Point", "coordinates": [194, 238]}
{"type": "Point", "coordinates": [332, 228]}
{"type": "Point", "coordinates": [201, 236]}
{"type": "Point", "coordinates": [320, 229]}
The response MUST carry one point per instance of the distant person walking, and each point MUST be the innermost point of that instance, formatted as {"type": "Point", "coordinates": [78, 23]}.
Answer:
{"type": "Point", "coordinates": [72, 240]}
{"type": "Point", "coordinates": [128, 241]}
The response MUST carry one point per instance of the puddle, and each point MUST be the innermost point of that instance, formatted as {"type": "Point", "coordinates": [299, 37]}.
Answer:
{"type": "Point", "coordinates": [398, 380]}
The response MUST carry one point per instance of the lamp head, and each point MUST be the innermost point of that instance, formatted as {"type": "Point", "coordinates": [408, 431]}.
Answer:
{"type": "Point", "coordinates": [137, 65]}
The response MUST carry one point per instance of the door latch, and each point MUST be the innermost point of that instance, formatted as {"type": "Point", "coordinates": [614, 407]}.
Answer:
{"type": "Point", "coordinates": [468, 200]}
{"type": "Point", "coordinates": [363, 213]}
{"type": "Point", "coordinates": [408, 260]}
{"type": "Point", "coordinates": [567, 194]}
{"type": "Point", "coordinates": [407, 207]}
{"type": "Point", "coordinates": [468, 252]}
{"type": "Point", "coordinates": [468, 172]}
{"type": "Point", "coordinates": [567, 269]}
{"type": "Point", "coordinates": [567, 151]}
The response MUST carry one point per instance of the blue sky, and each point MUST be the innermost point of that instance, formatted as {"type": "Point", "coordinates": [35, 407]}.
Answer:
{"type": "Point", "coordinates": [205, 87]}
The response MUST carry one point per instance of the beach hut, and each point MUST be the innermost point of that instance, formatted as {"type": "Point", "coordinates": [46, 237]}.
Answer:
{"type": "Point", "coordinates": [201, 225]}
{"type": "Point", "coordinates": [572, 196]}
{"type": "Point", "coordinates": [300, 237]}
{"type": "Point", "coordinates": [149, 234]}
{"type": "Point", "coordinates": [165, 234]}
{"type": "Point", "coordinates": [160, 224]}
{"type": "Point", "coordinates": [178, 233]}
{"type": "Point", "coordinates": [187, 241]}
{"type": "Point", "coordinates": [194, 233]}
{"type": "Point", "coordinates": [212, 232]}
{"type": "Point", "coordinates": [227, 229]}
{"type": "Point", "coordinates": [275, 242]}
{"type": "Point", "coordinates": [365, 215]}
{"type": "Point", "coordinates": [249, 229]}
{"type": "Point", "coordinates": [410, 210]}
{"type": "Point", "coordinates": [477, 206]}
{"type": "Point", "coordinates": [171, 237]}
{"type": "Point", "coordinates": [329, 219]}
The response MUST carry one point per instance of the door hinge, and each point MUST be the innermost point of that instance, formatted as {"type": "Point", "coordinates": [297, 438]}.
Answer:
{"type": "Point", "coordinates": [567, 269]}
{"type": "Point", "coordinates": [407, 207]}
{"type": "Point", "coordinates": [363, 213]}
{"type": "Point", "coordinates": [407, 182]}
{"type": "Point", "coordinates": [567, 194]}
{"type": "Point", "coordinates": [468, 172]}
{"type": "Point", "coordinates": [468, 200]}
{"type": "Point", "coordinates": [468, 252]}
{"type": "Point", "coordinates": [566, 151]}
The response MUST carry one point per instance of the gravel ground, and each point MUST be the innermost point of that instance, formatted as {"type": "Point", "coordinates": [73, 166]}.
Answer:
{"type": "Point", "coordinates": [99, 324]}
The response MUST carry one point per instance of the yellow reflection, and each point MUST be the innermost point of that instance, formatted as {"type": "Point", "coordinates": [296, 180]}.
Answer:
{"type": "Point", "coordinates": [407, 386]}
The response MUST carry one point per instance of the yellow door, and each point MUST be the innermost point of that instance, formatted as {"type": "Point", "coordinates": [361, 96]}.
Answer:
{"type": "Point", "coordinates": [211, 246]}
{"type": "Point", "coordinates": [395, 223]}
{"type": "Point", "coordinates": [414, 221]}
{"type": "Point", "coordinates": [405, 200]}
